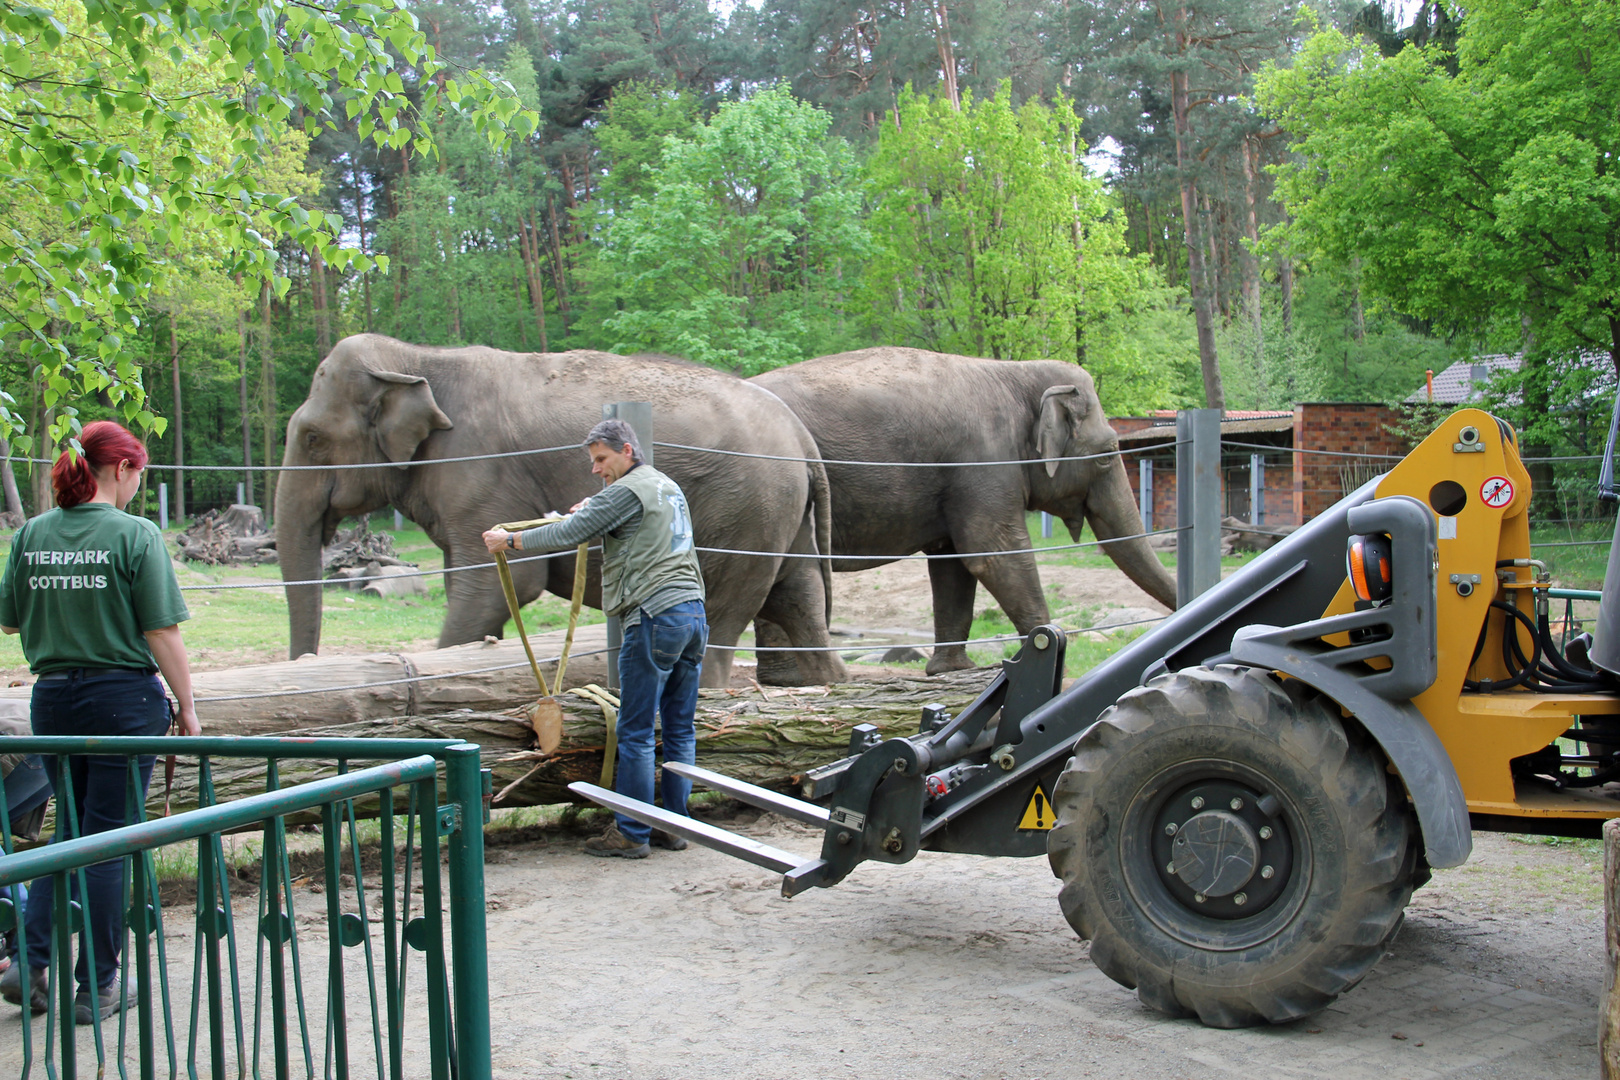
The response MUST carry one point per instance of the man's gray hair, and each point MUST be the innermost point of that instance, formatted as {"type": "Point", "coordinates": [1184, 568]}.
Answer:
{"type": "Point", "coordinates": [615, 434]}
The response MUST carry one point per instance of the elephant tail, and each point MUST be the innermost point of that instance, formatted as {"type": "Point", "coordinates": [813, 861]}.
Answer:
{"type": "Point", "coordinates": [821, 506]}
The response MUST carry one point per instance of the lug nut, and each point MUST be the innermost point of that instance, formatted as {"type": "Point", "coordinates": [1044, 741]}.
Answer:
{"type": "Point", "coordinates": [1240, 899]}
{"type": "Point", "coordinates": [1267, 872]}
{"type": "Point", "coordinates": [1199, 897]}
{"type": "Point", "coordinates": [1198, 802]}
{"type": "Point", "coordinates": [1236, 804]}
{"type": "Point", "coordinates": [843, 837]}
{"type": "Point", "coordinates": [1170, 868]}
{"type": "Point", "coordinates": [1170, 829]}
{"type": "Point", "coordinates": [1265, 832]}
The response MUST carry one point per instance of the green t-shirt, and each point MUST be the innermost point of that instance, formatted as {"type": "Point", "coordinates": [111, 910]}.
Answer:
{"type": "Point", "coordinates": [84, 585]}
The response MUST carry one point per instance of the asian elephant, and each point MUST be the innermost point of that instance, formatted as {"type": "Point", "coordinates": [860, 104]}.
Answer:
{"type": "Point", "coordinates": [894, 404]}
{"type": "Point", "coordinates": [377, 400]}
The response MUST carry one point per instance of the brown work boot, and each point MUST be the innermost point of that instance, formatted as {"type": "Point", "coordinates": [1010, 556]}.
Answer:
{"type": "Point", "coordinates": [668, 841]}
{"type": "Point", "coordinates": [613, 844]}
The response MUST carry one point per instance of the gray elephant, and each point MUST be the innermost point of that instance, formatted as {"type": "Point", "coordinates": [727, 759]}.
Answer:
{"type": "Point", "coordinates": [377, 400]}
{"type": "Point", "coordinates": [893, 404]}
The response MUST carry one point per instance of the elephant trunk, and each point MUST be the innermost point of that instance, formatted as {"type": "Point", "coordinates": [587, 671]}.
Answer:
{"type": "Point", "coordinates": [1112, 513]}
{"type": "Point", "coordinates": [298, 549]}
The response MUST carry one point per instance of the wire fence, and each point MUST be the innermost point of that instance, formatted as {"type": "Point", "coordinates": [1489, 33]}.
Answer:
{"type": "Point", "coordinates": [419, 462]}
{"type": "Point", "coordinates": [1250, 456]}
{"type": "Point", "coordinates": [841, 649]}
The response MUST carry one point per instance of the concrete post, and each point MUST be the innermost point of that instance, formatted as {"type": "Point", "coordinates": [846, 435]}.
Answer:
{"type": "Point", "coordinates": [399, 521]}
{"type": "Point", "coordinates": [638, 414]}
{"type": "Point", "coordinates": [1198, 502]}
{"type": "Point", "coordinates": [1144, 485]}
{"type": "Point", "coordinates": [163, 506]}
{"type": "Point", "coordinates": [1257, 489]}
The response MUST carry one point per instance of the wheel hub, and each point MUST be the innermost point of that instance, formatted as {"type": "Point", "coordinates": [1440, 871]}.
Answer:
{"type": "Point", "coordinates": [1222, 848]}
{"type": "Point", "coordinates": [1215, 853]}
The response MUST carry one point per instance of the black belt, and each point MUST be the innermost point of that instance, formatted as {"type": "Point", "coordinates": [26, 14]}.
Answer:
{"type": "Point", "coordinates": [85, 672]}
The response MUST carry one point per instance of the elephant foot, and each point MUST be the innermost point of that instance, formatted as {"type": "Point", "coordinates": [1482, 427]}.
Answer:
{"type": "Point", "coordinates": [779, 669]}
{"type": "Point", "coordinates": [949, 659]}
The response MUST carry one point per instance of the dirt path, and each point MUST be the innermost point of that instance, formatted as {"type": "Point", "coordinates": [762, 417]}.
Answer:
{"type": "Point", "coordinates": [897, 595]}
{"type": "Point", "coordinates": [690, 964]}
{"type": "Point", "coordinates": [950, 967]}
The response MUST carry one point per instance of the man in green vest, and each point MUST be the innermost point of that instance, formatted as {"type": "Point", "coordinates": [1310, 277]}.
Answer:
{"type": "Point", "coordinates": [652, 584]}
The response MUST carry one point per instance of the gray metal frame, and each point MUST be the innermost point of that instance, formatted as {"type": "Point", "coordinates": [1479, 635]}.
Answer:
{"type": "Point", "coordinates": [885, 802]}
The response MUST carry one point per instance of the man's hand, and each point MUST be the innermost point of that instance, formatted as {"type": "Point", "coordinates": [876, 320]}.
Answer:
{"type": "Point", "coordinates": [496, 540]}
{"type": "Point", "coordinates": [577, 507]}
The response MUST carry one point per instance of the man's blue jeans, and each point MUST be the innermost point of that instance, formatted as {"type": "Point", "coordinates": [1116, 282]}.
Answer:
{"type": "Point", "coordinates": [659, 663]}
{"type": "Point", "coordinates": [93, 703]}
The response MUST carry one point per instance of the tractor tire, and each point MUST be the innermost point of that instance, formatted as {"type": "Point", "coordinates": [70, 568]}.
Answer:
{"type": "Point", "coordinates": [1231, 847]}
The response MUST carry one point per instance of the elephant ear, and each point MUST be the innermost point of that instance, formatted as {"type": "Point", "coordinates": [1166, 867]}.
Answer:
{"type": "Point", "coordinates": [403, 414]}
{"type": "Point", "coordinates": [1061, 407]}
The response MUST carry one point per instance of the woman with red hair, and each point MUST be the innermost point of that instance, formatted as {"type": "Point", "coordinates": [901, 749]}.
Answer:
{"type": "Point", "coordinates": [93, 593]}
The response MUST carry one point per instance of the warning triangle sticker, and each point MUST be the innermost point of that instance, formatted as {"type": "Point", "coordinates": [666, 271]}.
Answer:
{"type": "Point", "coordinates": [1038, 814]}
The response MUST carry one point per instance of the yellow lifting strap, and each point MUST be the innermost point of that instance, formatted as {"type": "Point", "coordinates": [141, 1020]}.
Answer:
{"type": "Point", "coordinates": [546, 715]}
{"type": "Point", "coordinates": [610, 715]}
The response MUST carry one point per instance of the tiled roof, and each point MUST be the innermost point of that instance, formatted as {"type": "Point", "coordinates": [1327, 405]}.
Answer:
{"type": "Point", "coordinates": [1465, 380]}
{"type": "Point", "coordinates": [1233, 422]}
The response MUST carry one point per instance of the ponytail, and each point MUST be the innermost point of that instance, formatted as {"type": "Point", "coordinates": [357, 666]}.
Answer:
{"type": "Point", "coordinates": [105, 444]}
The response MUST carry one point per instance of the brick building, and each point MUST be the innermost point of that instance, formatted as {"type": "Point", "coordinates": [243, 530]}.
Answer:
{"type": "Point", "coordinates": [1289, 460]}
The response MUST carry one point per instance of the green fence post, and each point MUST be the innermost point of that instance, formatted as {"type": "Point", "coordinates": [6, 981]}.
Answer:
{"type": "Point", "coordinates": [469, 946]}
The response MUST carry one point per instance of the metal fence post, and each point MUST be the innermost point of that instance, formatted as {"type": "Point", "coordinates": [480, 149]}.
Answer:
{"type": "Point", "coordinates": [1198, 502]}
{"type": "Point", "coordinates": [1257, 489]}
{"type": "Point", "coordinates": [241, 493]}
{"type": "Point", "coordinates": [1046, 525]}
{"type": "Point", "coordinates": [1144, 485]}
{"type": "Point", "coordinates": [469, 944]}
{"type": "Point", "coordinates": [163, 506]}
{"type": "Point", "coordinates": [638, 414]}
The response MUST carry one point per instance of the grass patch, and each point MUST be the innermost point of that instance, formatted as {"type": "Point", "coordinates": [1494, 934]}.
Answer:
{"type": "Point", "coordinates": [251, 623]}
{"type": "Point", "coordinates": [1575, 567]}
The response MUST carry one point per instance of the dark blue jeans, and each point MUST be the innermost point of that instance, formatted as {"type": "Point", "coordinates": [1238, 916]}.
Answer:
{"type": "Point", "coordinates": [93, 703]}
{"type": "Point", "coordinates": [659, 663]}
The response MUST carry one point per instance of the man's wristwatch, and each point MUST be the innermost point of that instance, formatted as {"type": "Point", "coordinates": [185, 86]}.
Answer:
{"type": "Point", "coordinates": [511, 541]}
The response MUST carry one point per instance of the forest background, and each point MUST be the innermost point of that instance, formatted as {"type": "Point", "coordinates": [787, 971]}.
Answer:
{"type": "Point", "coordinates": [1238, 203]}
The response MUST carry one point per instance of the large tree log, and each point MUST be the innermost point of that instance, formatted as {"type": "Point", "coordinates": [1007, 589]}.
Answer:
{"type": "Point", "coordinates": [377, 685]}
{"type": "Point", "coordinates": [767, 737]}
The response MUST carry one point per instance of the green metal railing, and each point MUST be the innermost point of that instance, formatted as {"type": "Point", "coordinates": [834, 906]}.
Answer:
{"type": "Point", "coordinates": [271, 1027]}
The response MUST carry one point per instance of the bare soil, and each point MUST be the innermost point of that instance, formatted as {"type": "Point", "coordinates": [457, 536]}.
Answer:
{"type": "Point", "coordinates": [690, 964]}
{"type": "Point", "coordinates": [897, 596]}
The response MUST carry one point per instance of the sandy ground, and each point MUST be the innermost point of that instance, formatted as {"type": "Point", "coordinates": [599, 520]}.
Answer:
{"type": "Point", "coordinates": [896, 597]}
{"type": "Point", "coordinates": [690, 964]}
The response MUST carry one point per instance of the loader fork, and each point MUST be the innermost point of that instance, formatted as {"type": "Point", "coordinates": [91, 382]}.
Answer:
{"type": "Point", "coordinates": [889, 795]}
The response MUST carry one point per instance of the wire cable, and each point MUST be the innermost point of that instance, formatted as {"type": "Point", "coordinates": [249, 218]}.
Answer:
{"type": "Point", "coordinates": [305, 691]}
{"type": "Point", "coordinates": [702, 550]}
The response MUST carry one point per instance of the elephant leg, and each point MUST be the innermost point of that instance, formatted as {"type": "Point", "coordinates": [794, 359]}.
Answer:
{"type": "Point", "coordinates": [724, 630]}
{"type": "Point", "coordinates": [795, 613]}
{"type": "Point", "coordinates": [953, 588]}
{"type": "Point", "coordinates": [476, 610]}
{"type": "Point", "coordinates": [1013, 580]}
{"type": "Point", "coordinates": [775, 668]}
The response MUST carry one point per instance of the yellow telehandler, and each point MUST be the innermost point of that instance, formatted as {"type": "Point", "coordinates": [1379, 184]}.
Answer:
{"type": "Point", "coordinates": [1240, 802]}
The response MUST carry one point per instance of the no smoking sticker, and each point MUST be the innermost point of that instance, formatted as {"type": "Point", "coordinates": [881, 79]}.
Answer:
{"type": "Point", "coordinates": [1496, 492]}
